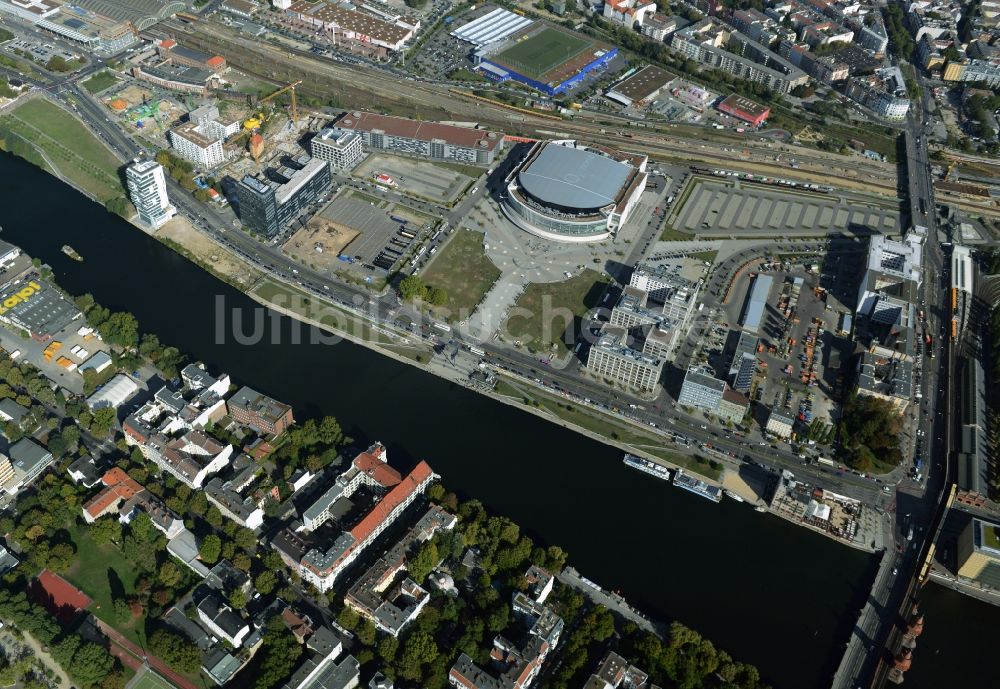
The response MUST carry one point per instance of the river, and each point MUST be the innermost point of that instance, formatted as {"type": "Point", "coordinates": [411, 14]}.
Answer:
{"type": "Point", "coordinates": [772, 594]}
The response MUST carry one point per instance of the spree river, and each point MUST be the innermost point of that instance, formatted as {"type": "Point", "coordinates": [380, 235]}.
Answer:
{"type": "Point", "coordinates": [772, 594]}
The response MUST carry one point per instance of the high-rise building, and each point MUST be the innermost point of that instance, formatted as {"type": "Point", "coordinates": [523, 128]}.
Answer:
{"type": "Point", "coordinates": [193, 142]}
{"type": "Point", "coordinates": [6, 469]}
{"type": "Point", "coordinates": [701, 390]}
{"type": "Point", "coordinates": [978, 555]}
{"type": "Point", "coordinates": [266, 206]}
{"type": "Point", "coordinates": [147, 188]}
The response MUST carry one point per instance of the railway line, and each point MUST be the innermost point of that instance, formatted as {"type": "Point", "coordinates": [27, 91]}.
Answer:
{"type": "Point", "coordinates": [277, 63]}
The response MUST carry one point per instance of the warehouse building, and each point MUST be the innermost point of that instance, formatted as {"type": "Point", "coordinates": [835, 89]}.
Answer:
{"type": "Point", "coordinates": [345, 22]}
{"type": "Point", "coordinates": [641, 87]}
{"type": "Point", "coordinates": [753, 311]}
{"type": "Point", "coordinates": [428, 139]}
{"type": "Point", "coordinates": [744, 109]}
{"type": "Point", "coordinates": [30, 304]}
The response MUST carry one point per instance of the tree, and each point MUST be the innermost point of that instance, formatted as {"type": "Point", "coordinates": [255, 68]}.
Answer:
{"type": "Point", "coordinates": [175, 650]}
{"type": "Point", "coordinates": [238, 599]}
{"type": "Point", "coordinates": [61, 557]}
{"type": "Point", "coordinates": [412, 287]}
{"type": "Point", "coordinates": [123, 613]}
{"type": "Point", "coordinates": [118, 205]}
{"type": "Point", "coordinates": [424, 561]}
{"type": "Point", "coordinates": [245, 538]}
{"type": "Point", "coordinates": [121, 328]}
{"type": "Point", "coordinates": [266, 581]}
{"type": "Point", "coordinates": [169, 574]}
{"type": "Point", "coordinates": [91, 664]}
{"type": "Point", "coordinates": [348, 618]}
{"type": "Point", "coordinates": [104, 419]}
{"type": "Point", "coordinates": [418, 650]}
{"type": "Point", "coordinates": [211, 547]}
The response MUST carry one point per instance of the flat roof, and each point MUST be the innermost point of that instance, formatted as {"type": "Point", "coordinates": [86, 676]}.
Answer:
{"type": "Point", "coordinates": [422, 131]}
{"type": "Point", "coordinates": [351, 20]}
{"type": "Point", "coordinates": [571, 177]}
{"type": "Point", "coordinates": [745, 105]}
{"type": "Point", "coordinates": [756, 302]}
{"type": "Point", "coordinates": [644, 84]}
{"type": "Point", "coordinates": [492, 26]}
{"type": "Point", "coordinates": [37, 307]}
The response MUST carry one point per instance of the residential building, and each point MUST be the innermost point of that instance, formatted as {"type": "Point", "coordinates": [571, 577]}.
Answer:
{"type": "Point", "coordinates": [6, 469]}
{"type": "Point", "coordinates": [192, 143]}
{"type": "Point", "coordinates": [191, 457]}
{"type": "Point", "coordinates": [369, 468]}
{"type": "Point", "coordinates": [780, 424]}
{"type": "Point", "coordinates": [7, 560]}
{"type": "Point", "coordinates": [12, 411]}
{"type": "Point", "coordinates": [883, 92]}
{"type": "Point", "coordinates": [226, 495]}
{"type": "Point", "coordinates": [701, 390]}
{"type": "Point", "coordinates": [426, 139]}
{"type": "Point", "coordinates": [978, 553]}
{"type": "Point", "coordinates": [222, 620]}
{"type": "Point", "coordinates": [888, 379]}
{"type": "Point", "coordinates": [385, 594]}
{"type": "Point", "coordinates": [612, 359]}
{"type": "Point", "coordinates": [615, 672]}
{"type": "Point", "coordinates": [320, 567]}
{"type": "Point", "coordinates": [341, 149]}
{"type": "Point", "coordinates": [220, 665]}
{"type": "Point", "coordinates": [733, 406]}
{"type": "Point", "coordinates": [260, 412]}
{"type": "Point", "coordinates": [540, 582]}
{"type": "Point", "coordinates": [628, 13]}
{"type": "Point", "coordinates": [84, 472]}
{"type": "Point", "coordinates": [266, 206]}
{"type": "Point", "coordinates": [213, 124]}
{"type": "Point", "coordinates": [147, 188]}
{"type": "Point", "coordinates": [658, 26]}
{"type": "Point", "coordinates": [125, 497]}
{"type": "Point", "coordinates": [320, 671]}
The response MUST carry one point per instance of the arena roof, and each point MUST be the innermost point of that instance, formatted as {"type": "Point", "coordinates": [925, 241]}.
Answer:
{"type": "Point", "coordinates": [571, 177]}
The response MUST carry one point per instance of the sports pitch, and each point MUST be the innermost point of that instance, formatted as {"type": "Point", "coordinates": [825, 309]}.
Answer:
{"type": "Point", "coordinates": [543, 52]}
{"type": "Point", "coordinates": [150, 680]}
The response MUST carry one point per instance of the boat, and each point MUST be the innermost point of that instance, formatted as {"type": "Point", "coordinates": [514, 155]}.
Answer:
{"type": "Point", "coordinates": [697, 486]}
{"type": "Point", "coordinates": [644, 465]}
{"type": "Point", "coordinates": [734, 496]}
{"type": "Point", "coordinates": [71, 252]}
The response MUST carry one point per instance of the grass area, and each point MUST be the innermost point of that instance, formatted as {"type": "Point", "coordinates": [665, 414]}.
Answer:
{"type": "Point", "coordinates": [548, 310]}
{"type": "Point", "coordinates": [98, 570]}
{"type": "Point", "coordinates": [309, 306]}
{"type": "Point", "coordinates": [421, 355]}
{"type": "Point", "coordinates": [366, 198]}
{"type": "Point", "coordinates": [543, 52]}
{"type": "Point", "coordinates": [100, 81]}
{"type": "Point", "coordinates": [707, 256]}
{"type": "Point", "coordinates": [673, 235]}
{"type": "Point", "coordinates": [151, 680]}
{"type": "Point", "coordinates": [463, 271]}
{"type": "Point", "coordinates": [470, 171]}
{"type": "Point", "coordinates": [607, 426]}
{"type": "Point", "coordinates": [466, 75]}
{"type": "Point", "coordinates": [78, 155]}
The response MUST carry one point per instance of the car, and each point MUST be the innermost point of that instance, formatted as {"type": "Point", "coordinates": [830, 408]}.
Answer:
{"type": "Point", "coordinates": [895, 571]}
{"type": "Point", "coordinates": [704, 427]}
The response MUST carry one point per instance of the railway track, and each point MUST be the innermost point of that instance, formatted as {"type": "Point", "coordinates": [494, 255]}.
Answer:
{"type": "Point", "coordinates": [263, 60]}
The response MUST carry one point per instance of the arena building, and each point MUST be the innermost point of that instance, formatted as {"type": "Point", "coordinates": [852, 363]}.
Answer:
{"type": "Point", "coordinates": [570, 192]}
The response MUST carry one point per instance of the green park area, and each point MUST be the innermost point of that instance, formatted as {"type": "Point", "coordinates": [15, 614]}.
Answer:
{"type": "Point", "coordinates": [50, 137]}
{"type": "Point", "coordinates": [103, 573]}
{"type": "Point", "coordinates": [543, 52]}
{"type": "Point", "coordinates": [463, 271]}
{"type": "Point", "coordinates": [546, 310]}
{"type": "Point", "coordinates": [100, 81]}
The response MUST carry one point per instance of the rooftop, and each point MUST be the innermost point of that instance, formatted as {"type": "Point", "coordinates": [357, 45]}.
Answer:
{"type": "Point", "coordinates": [422, 131]}
{"type": "Point", "coordinates": [644, 84]}
{"type": "Point", "coordinates": [573, 178]}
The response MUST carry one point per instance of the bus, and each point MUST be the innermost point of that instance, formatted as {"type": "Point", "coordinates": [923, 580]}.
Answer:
{"type": "Point", "coordinates": [477, 351]}
{"type": "Point", "coordinates": [442, 327]}
{"type": "Point", "coordinates": [827, 462]}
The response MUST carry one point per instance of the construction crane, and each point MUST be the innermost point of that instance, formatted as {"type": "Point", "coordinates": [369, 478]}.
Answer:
{"type": "Point", "coordinates": [951, 171]}
{"type": "Point", "coordinates": [295, 108]}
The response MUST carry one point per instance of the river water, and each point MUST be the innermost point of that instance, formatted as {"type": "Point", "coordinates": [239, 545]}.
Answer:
{"type": "Point", "coordinates": [772, 594]}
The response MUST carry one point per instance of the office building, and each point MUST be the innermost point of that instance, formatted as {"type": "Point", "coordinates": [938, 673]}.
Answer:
{"type": "Point", "coordinates": [266, 206]}
{"type": "Point", "coordinates": [674, 285]}
{"type": "Point", "coordinates": [341, 149]}
{"type": "Point", "coordinates": [29, 459]}
{"type": "Point", "coordinates": [258, 411]}
{"type": "Point", "coordinates": [744, 363]}
{"type": "Point", "coordinates": [733, 406]}
{"type": "Point", "coordinates": [426, 139]}
{"type": "Point", "coordinates": [978, 553]}
{"type": "Point", "coordinates": [611, 359]}
{"type": "Point", "coordinates": [892, 276]}
{"type": "Point", "coordinates": [701, 390]}
{"type": "Point", "coordinates": [147, 188]}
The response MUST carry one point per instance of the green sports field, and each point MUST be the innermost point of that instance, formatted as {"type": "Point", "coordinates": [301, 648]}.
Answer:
{"type": "Point", "coordinates": [543, 52]}
{"type": "Point", "coordinates": [150, 680]}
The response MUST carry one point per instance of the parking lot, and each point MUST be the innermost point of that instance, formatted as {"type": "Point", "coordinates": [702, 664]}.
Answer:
{"type": "Point", "coordinates": [434, 182]}
{"type": "Point", "coordinates": [39, 52]}
{"type": "Point", "coordinates": [717, 207]}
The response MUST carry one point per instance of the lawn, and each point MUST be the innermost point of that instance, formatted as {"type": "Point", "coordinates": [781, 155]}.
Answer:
{"type": "Point", "coordinates": [555, 310]}
{"type": "Point", "coordinates": [673, 235]}
{"type": "Point", "coordinates": [463, 271]}
{"type": "Point", "coordinates": [313, 308]}
{"type": "Point", "coordinates": [97, 568]}
{"type": "Point", "coordinates": [68, 145]}
{"type": "Point", "coordinates": [100, 81]}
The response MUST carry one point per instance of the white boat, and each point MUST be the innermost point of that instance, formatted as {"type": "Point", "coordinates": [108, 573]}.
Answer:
{"type": "Point", "coordinates": [734, 496]}
{"type": "Point", "coordinates": [646, 466]}
{"type": "Point", "coordinates": [697, 486]}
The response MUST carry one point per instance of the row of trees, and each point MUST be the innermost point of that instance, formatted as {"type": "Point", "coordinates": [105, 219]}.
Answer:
{"type": "Point", "coordinates": [413, 288]}
{"type": "Point", "coordinates": [869, 430]}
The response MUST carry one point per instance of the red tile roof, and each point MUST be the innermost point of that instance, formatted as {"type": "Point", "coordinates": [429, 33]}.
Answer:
{"type": "Point", "coordinates": [373, 466]}
{"type": "Point", "coordinates": [167, 43]}
{"type": "Point", "coordinates": [216, 62]}
{"type": "Point", "coordinates": [118, 486]}
{"type": "Point", "coordinates": [393, 499]}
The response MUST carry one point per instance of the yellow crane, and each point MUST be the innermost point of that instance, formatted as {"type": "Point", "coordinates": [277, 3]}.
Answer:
{"type": "Point", "coordinates": [951, 171]}
{"type": "Point", "coordinates": [290, 87]}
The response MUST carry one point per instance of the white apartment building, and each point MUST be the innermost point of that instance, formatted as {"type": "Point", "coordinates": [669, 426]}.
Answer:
{"type": "Point", "coordinates": [147, 188]}
{"type": "Point", "coordinates": [192, 142]}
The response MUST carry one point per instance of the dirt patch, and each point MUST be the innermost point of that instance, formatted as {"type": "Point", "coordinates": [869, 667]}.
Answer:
{"type": "Point", "coordinates": [196, 246]}
{"type": "Point", "coordinates": [320, 242]}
